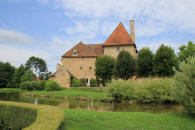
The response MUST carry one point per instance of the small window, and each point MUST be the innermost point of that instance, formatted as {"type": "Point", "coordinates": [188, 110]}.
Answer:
{"type": "Point", "coordinates": [81, 68]}
{"type": "Point", "coordinates": [90, 68]}
{"type": "Point", "coordinates": [75, 52]}
{"type": "Point", "coordinates": [118, 48]}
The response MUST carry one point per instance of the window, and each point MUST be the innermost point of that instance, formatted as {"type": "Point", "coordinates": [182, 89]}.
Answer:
{"type": "Point", "coordinates": [90, 68]}
{"type": "Point", "coordinates": [81, 68]}
{"type": "Point", "coordinates": [75, 52]}
{"type": "Point", "coordinates": [118, 48]}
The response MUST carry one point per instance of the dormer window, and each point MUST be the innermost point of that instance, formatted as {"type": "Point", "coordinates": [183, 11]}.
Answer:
{"type": "Point", "coordinates": [74, 52]}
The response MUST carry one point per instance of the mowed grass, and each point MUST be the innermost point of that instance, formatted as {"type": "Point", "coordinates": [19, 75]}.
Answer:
{"type": "Point", "coordinates": [96, 94]}
{"type": "Point", "coordinates": [10, 90]}
{"type": "Point", "coordinates": [91, 120]}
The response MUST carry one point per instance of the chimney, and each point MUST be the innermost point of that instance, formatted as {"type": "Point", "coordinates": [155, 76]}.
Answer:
{"type": "Point", "coordinates": [132, 31]}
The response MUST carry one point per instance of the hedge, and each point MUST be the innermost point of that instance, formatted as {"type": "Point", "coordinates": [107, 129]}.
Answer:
{"type": "Point", "coordinates": [14, 118]}
{"type": "Point", "coordinates": [48, 117]}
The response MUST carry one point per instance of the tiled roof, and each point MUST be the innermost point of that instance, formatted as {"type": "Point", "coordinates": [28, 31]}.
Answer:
{"type": "Point", "coordinates": [119, 36]}
{"type": "Point", "coordinates": [85, 50]}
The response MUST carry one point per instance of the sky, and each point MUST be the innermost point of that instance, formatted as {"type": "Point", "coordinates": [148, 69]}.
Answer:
{"type": "Point", "coordinates": [49, 28]}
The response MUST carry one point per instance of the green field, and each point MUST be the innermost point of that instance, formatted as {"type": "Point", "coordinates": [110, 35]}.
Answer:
{"type": "Point", "coordinates": [91, 120]}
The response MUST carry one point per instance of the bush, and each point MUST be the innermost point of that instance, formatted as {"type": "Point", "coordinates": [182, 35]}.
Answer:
{"type": "Point", "coordinates": [28, 85]}
{"type": "Point", "coordinates": [185, 82]}
{"type": "Point", "coordinates": [28, 76]}
{"type": "Point", "coordinates": [83, 82]}
{"type": "Point", "coordinates": [148, 90]}
{"type": "Point", "coordinates": [125, 65]}
{"type": "Point", "coordinates": [75, 82]}
{"type": "Point", "coordinates": [16, 118]}
{"type": "Point", "coordinates": [51, 85]}
{"type": "Point", "coordinates": [93, 83]}
{"type": "Point", "coordinates": [41, 85]}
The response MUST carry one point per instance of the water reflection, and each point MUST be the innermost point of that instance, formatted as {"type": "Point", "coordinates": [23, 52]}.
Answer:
{"type": "Point", "coordinates": [91, 105]}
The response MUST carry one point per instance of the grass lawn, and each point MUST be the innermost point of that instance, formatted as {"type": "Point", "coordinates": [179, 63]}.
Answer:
{"type": "Point", "coordinates": [91, 120]}
{"type": "Point", "coordinates": [94, 93]}
{"type": "Point", "coordinates": [10, 90]}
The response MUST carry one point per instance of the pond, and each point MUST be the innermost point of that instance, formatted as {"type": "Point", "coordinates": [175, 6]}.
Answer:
{"type": "Point", "coordinates": [91, 105]}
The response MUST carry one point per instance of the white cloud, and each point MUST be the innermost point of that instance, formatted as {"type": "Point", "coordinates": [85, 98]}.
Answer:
{"type": "Point", "coordinates": [153, 17]}
{"type": "Point", "coordinates": [9, 36]}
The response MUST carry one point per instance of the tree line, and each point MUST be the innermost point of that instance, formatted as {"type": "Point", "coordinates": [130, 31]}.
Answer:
{"type": "Point", "coordinates": [12, 77]}
{"type": "Point", "coordinates": [147, 63]}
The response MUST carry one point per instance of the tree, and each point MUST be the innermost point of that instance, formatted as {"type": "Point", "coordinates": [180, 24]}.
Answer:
{"type": "Point", "coordinates": [38, 66]}
{"type": "Point", "coordinates": [125, 65]}
{"type": "Point", "coordinates": [6, 73]}
{"type": "Point", "coordinates": [186, 51]}
{"type": "Point", "coordinates": [104, 68]}
{"type": "Point", "coordinates": [185, 82]}
{"type": "Point", "coordinates": [28, 76]}
{"type": "Point", "coordinates": [145, 62]}
{"type": "Point", "coordinates": [15, 82]}
{"type": "Point", "coordinates": [164, 61]}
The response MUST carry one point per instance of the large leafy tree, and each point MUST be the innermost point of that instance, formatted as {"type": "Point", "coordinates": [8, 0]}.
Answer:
{"type": "Point", "coordinates": [186, 51]}
{"type": "Point", "coordinates": [6, 73]}
{"type": "Point", "coordinates": [104, 68]}
{"type": "Point", "coordinates": [164, 61]}
{"type": "Point", "coordinates": [15, 82]}
{"type": "Point", "coordinates": [39, 66]}
{"type": "Point", "coordinates": [125, 65]}
{"type": "Point", "coordinates": [145, 62]}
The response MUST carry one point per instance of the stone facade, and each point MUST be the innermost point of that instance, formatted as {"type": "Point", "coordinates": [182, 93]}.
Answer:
{"type": "Point", "coordinates": [113, 51]}
{"type": "Point", "coordinates": [79, 62]}
{"type": "Point", "coordinates": [80, 67]}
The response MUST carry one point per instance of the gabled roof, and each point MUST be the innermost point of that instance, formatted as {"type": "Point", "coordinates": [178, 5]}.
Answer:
{"type": "Point", "coordinates": [119, 36]}
{"type": "Point", "coordinates": [85, 50]}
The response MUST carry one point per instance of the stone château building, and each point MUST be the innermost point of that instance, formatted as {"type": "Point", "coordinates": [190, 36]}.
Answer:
{"type": "Point", "coordinates": [79, 62]}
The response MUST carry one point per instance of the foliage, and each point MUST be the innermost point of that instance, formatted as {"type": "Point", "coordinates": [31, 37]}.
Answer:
{"type": "Point", "coordinates": [6, 73]}
{"type": "Point", "coordinates": [15, 82]}
{"type": "Point", "coordinates": [186, 51]}
{"type": "Point", "coordinates": [39, 66]}
{"type": "Point", "coordinates": [93, 83]}
{"type": "Point", "coordinates": [185, 82]}
{"type": "Point", "coordinates": [83, 82]}
{"type": "Point", "coordinates": [145, 62]}
{"type": "Point", "coordinates": [104, 68]}
{"type": "Point", "coordinates": [41, 85]}
{"type": "Point", "coordinates": [30, 85]}
{"type": "Point", "coordinates": [125, 65]}
{"type": "Point", "coordinates": [164, 61]}
{"type": "Point", "coordinates": [27, 76]}
{"type": "Point", "coordinates": [15, 118]}
{"type": "Point", "coordinates": [48, 117]}
{"type": "Point", "coordinates": [51, 85]}
{"type": "Point", "coordinates": [147, 91]}
{"type": "Point", "coordinates": [75, 83]}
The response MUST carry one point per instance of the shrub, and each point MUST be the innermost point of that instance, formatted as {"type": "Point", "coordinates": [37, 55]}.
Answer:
{"type": "Point", "coordinates": [75, 82]}
{"type": "Point", "coordinates": [26, 86]}
{"type": "Point", "coordinates": [148, 90]}
{"type": "Point", "coordinates": [125, 65]}
{"type": "Point", "coordinates": [83, 82]}
{"type": "Point", "coordinates": [185, 82]}
{"type": "Point", "coordinates": [41, 85]}
{"type": "Point", "coordinates": [145, 62]}
{"type": "Point", "coordinates": [93, 83]}
{"type": "Point", "coordinates": [164, 61]}
{"type": "Point", "coordinates": [16, 118]}
{"type": "Point", "coordinates": [51, 85]}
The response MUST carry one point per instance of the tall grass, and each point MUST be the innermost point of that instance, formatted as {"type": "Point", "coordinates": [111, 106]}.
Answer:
{"type": "Point", "coordinates": [148, 90]}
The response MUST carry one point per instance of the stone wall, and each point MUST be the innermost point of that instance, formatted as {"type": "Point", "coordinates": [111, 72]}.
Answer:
{"type": "Point", "coordinates": [80, 67]}
{"type": "Point", "coordinates": [113, 51]}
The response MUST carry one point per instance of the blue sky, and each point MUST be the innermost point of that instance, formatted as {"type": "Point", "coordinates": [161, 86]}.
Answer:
{"type": "Point", "coordinates": [48, 28]}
